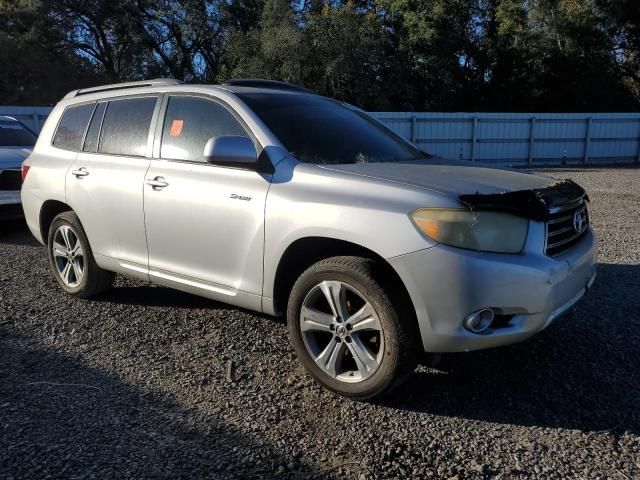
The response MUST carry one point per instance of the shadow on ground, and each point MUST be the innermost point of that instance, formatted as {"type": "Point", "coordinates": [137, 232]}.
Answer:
{"type": "Point", "coordinates": [15, 232]}
{"type": "Point", "coordinates": [156, 296]}
{"type": "Point", "coordinates": [86, 423]}
{"type": "Point", "coordinates": [583, 372]}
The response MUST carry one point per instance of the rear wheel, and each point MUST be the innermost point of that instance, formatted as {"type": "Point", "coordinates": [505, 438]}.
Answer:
{"type": "Point", "coordinates": [71, 258]}
{"type": "Point", "coordinates": [346, 331]}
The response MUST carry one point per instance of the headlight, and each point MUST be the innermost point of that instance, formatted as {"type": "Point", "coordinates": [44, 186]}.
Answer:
{"type": "Point", "coordinates": [483, 231]}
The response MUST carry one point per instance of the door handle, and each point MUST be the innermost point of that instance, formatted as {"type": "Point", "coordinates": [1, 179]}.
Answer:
{"type": "Point", "coordinates": [81, 172]}
{"type": "Point", "coordinates": [157, 183]}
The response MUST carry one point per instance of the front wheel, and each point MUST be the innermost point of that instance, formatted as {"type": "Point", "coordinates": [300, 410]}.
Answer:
{"type": "Point", "coordinates": [71, 258]}
{"type": "Point", "coordinates": [346, 331]}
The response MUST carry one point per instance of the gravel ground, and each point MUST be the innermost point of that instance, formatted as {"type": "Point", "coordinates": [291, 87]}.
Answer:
{"type": "Point", "coordinates": [138, 384]}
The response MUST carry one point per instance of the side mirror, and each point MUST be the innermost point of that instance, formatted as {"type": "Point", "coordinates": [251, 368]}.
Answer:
{"type": "Point", "coordinates": [232, 151]}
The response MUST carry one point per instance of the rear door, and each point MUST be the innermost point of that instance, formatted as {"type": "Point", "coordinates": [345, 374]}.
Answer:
{"type": "Point", "coordinates": [104, 185]}
{"type": "Point", "coordinates": [205, 223]}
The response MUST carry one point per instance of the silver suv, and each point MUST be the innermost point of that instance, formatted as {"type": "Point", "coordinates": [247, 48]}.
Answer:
{"type": "Point", "coordinates": [269, 197]}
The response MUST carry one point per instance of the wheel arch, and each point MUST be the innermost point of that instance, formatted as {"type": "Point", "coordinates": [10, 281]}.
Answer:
{"type": "Point", "coordinates": [49, 210]}
{"type": "Point", "coordinates": [304, 252]}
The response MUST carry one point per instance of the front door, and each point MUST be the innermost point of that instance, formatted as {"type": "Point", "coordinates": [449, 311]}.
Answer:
{"type": "Point", "coordinates": [204, 223]}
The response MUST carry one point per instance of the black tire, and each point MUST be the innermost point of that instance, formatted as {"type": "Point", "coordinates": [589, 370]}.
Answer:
{"type": "Point", "coordinates": [398, 359]}
{"type": "Point", "coordinates": [94, 280]}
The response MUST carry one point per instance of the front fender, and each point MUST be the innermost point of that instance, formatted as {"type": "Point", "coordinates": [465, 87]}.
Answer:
{"type": "Point", "coordinates": [308, 201]}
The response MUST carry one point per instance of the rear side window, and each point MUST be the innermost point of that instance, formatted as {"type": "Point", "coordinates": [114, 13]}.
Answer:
{"type": "Point", "coordinates": [72, 126]}
{"type": "Point", "coordinates": [125, 127]}
{"type": "Point", "coordinates": [190, 122]}
{"type": "Point", "coordinates": [91, 139]}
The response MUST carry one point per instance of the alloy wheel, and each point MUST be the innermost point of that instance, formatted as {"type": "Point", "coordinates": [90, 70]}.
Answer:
{"type": "Point", "coordinates": [68, 256]}
{"type": "Point", "coordinates": [342, 331]}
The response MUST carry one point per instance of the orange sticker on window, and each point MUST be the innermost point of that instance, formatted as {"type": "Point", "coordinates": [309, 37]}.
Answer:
{"type": "Point", "coordinates": [176, 128]}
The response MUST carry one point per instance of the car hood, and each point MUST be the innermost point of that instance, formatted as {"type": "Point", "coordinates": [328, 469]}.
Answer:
{"type": "Point", "coordinates": [479, 187]}
{"type": "Point", "coordinates": [12, 157]}
{"type": "Point", "coordinates": [452, 178]}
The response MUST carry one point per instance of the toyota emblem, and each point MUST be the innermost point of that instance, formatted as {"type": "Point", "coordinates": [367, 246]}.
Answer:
{"type": "Point", "coordinates": [578, 221]}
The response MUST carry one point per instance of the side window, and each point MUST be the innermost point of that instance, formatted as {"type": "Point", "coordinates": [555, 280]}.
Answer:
{"type": "Point", "coordinates": [91, 139]}
{"type": "Point", "coordinates": [72, 126]}
{"type": "Point", "coordinates": [190, 122]}
{"type": "Point", "coordinates": [125, 127]}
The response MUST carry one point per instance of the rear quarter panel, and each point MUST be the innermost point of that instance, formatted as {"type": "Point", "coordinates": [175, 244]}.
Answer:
{"type": "Point", "coordinates": [46, 177]}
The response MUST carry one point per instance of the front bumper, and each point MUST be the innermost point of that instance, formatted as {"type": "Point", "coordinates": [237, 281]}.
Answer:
{"type": "Point", "coordinates": [526, 291]}
{"type": "Point", "coordinates": [10, 205]}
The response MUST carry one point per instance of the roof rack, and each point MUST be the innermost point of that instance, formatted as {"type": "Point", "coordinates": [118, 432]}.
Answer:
{"type": "Point", "coordinates": [260, 83]}
{"type": "Point", "coordinates": [119, 86]}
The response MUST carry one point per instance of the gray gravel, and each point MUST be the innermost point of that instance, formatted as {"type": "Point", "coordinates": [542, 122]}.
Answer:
{"type": "Point", "coordinates": [147, 382]}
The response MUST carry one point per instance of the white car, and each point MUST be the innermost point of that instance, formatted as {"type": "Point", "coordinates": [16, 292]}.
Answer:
{"type": "Point", "coordinates": [16, 143]}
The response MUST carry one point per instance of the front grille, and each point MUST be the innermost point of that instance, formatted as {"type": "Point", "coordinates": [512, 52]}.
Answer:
{"type": "Point", "coordinates": [566, 226]}
{"type": "Point", "coordinates": [10, 180]}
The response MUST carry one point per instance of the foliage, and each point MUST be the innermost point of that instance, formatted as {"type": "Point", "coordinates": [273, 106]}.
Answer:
{"type": "Point", "coordinates": [500, 55]}
{"type": "Point", "coordinates": [34, 68]}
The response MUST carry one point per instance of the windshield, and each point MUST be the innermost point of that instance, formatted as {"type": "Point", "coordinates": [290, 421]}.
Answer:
{"type": "Point", "coordinates": [319, 130]}
{"type": "Point", "coordinates": [13, 134]}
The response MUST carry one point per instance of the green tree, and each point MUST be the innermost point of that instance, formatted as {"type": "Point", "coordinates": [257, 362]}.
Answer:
{"type": "Point", "coordinates": [622, 25]}
{"type": "Point", "coordinates": [537, 55]}
{"type": "Point", "coordinates": [345, 54]}
{"type": "Point", "coordinates": [100, 31]}
{"type": "Point", "coordinates": [429, 38]}
{"type": "Point", "coordinates": [34, 69]}
{"type": "Point", "coordinates": [543, 55]}
{"type": "Point", "coordinates": [273, 50]}
{"type": "Point", "coordinates": [183, 38]}
{"type": "Point", "coordinates": [575, 65]}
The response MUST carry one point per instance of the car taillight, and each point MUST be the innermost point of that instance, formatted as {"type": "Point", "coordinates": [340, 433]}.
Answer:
{"type": "Point", "coordinates": [25, 170]}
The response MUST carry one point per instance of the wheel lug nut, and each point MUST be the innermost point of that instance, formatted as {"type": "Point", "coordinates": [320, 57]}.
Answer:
{"type": "Point", "coordinates": [338, 339]}
{"type": "Point", "coordinates": [332, 327]}
{"type": "Point", "coordinates": [338, 319]}
{"type": "Point", "coordinates": [348, 339]}
{"type": "Point", "coordinates": [349, 326]}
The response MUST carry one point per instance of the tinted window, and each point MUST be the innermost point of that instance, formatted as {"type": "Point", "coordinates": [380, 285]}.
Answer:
{"type": "Point", "coordinates": [14, 134]}
{"type": "Point", "coordinates": [72, 126]}
{"type": "Point", "coordinates": [125, 127]}
{"type": "Point", "coordinates": [190, 122]}
{"type": "Point", "coordinates": [91, 139]}
{"type": "Point", "coordinates": [320, 130]}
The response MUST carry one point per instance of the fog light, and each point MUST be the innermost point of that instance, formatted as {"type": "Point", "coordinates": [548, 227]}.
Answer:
{"type": "Point", "coordinates": [479, 321]}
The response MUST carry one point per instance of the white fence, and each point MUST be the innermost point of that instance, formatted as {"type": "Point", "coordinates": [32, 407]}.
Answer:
{"type": "Point", "coordinates": [523, 138]}
{"type": "Point", "coordinates": [32, 117]}
{"type": "Point", "coordinates": [505, 138]}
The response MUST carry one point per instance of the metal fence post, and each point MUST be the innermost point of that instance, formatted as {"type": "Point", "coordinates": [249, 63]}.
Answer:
{"type": "Point", "coordinates": [413, 129]}
{"type": "Point", "coordinates": [473, 138]}
{"type": "Point", "coordinates": [638, 152]}
{"type": "Point", "coordinates": [36, 122]}
{"type": "Point", "coordinates": [587, 141]}
{"type": "Point", "coordinates": [532, 139]}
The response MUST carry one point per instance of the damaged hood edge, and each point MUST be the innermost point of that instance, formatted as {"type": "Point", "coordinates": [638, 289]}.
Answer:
{"type": "Point", "coordinates": [477, 186]}
{"type": "Point", "coordinates": [536, 203]}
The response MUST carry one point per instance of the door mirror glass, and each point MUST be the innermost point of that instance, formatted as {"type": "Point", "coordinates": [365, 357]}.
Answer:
{"type": "Point", "coordinates": [231, 150]}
